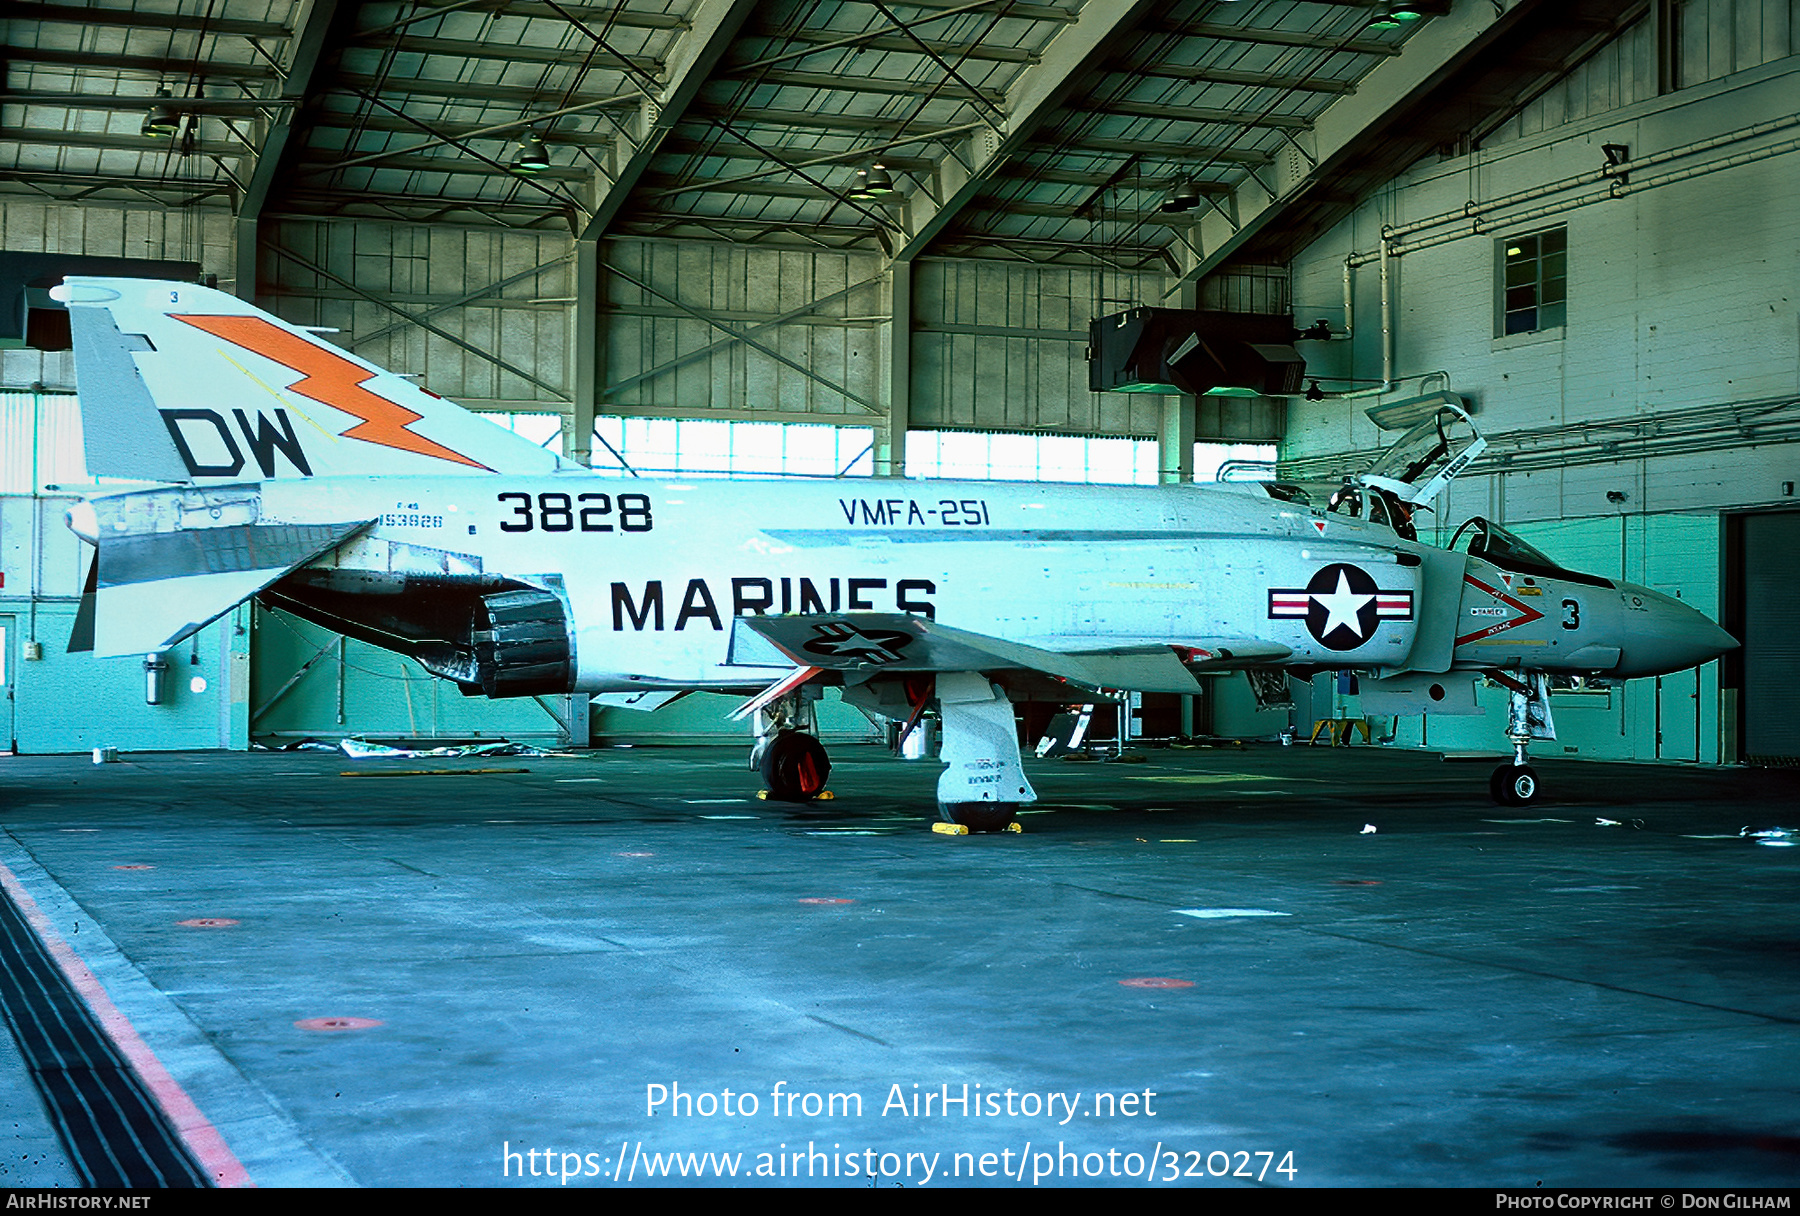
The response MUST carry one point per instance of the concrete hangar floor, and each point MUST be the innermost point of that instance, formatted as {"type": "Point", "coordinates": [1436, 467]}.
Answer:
{"type": "Point", "coordinates": [1200, 970]}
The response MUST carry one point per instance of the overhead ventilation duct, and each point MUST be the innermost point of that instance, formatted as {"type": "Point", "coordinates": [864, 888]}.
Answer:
{"type": "Point", "coordinates": [30, 318]}
{"type": "Point", "coordinates": [1181, 350]}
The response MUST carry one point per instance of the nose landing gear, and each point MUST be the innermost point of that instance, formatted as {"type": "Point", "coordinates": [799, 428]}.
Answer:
{"type": "Point", "coordinates": [1516, 783]}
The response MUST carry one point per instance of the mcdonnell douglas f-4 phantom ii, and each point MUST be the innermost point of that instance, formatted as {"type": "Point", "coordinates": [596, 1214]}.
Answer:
{"type": "Point", "coordinates": [290, 470]}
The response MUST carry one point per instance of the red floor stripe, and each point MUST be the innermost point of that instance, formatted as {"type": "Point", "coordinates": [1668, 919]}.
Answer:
{"type": "Point", "coordinates": [201, 1137]}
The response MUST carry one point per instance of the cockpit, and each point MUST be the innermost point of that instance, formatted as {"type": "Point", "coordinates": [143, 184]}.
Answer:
{"type": "Point", "coordinates": [1375, 505]}
{"type": "Point", "coordinates": [1483, 538]}
{"type": "Point", "coordinates": [1413, 471]}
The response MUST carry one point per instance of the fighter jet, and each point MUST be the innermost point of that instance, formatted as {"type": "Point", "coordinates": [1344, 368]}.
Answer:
{"type": "Point", "coordinates": [282, 467]}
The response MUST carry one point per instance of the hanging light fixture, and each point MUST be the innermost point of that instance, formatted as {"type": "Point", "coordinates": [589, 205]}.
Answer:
{"type": "Point", "coordinates": [1394, 16]}
{"type": "Point", "coordinates": [877, 181]}
{"type": "Point", "coordinates": [163, 120]}
{"type": "Point", "coordinates": [1184, 197]}
{"type": "Point", "coordinates": [871, 183]}
{"type": "Point", "coordinates": [532, 157]}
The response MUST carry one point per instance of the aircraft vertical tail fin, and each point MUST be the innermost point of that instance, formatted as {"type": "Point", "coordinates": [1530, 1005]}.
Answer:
{"type": "Point", "coordinates": [184, 383]}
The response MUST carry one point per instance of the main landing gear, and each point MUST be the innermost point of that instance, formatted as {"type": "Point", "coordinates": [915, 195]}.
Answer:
{"type": "Point", "coordinates": [983, 784]}
{"type": "Point", "coordinates": [1516, 783]}
{"type": "Point", "coordinates": [794, 766]}
{"type": "Point", "coordinates": [791, 759]}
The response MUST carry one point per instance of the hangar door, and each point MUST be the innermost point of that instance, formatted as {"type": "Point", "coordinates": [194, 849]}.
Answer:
{"type": "Point", "coordinates": [1766, 582]}
{"type": "Point", "coordinates": [6, 688]}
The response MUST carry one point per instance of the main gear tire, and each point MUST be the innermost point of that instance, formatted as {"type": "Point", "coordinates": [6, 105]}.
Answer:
{"type": "Point", "coordinates": [795, 767]}
{"type": "Point", "coordinates": [980, 816]}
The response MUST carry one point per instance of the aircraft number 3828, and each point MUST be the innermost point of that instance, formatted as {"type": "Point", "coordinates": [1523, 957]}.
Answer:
{"type": "Point", "coordinates": [558, 512]}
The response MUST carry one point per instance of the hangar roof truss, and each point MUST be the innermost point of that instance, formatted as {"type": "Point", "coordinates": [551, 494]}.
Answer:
{"type": "Point", "coordinates": [1049, 130]}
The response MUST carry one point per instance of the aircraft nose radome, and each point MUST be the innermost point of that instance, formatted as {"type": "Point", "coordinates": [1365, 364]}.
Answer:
{"type": "Point", "coordinates": [1670, 636]}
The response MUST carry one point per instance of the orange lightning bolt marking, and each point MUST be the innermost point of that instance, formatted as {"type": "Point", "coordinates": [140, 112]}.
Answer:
{"type": "Point", "coordinates": [332, 380]}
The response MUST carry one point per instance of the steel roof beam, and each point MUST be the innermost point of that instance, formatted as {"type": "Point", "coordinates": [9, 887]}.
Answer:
{"type": "Point", "coordinates": [432, 205]}
{"type": "Point", "coordinates": [867, 37]}
{"type": "Point", "coordinates": [387, 125]}
{"type": "Point", "coordinates": [1024, 168]}
{"type": "Point", "coordinates": [115, 141]}
{"type": "Point", "coordinates": [150, 187]}
{"type": "Point", "coordinates": [874, 84]}
{"type": "Point", "coordinates": [807, 120]}
{"type": "Point", "coordinates": [466, 91]}
{"type": "Point", "coordinates": [1064, 14]}
{"type": "Point", "coordinates": [452, 132]}
{"type": "Point", "coordinates": [305, 53]}
{"type": "Point", "coordinates": [471, 48]}
{"type": "Point", "coordinates": [658, 183]}
{"type": "Point", "coordinates": [1034, 96]}
{"type": "Point", "coordinates": [666, 222]}
{"type": "Point", "coordinates": [714, 25]}
{"type": "Point", "coordinates": [1254, 80]}
{"type": "Point", "coordinates": [806, 157]}
{"type": "Point", "coordinates": [798, 160]}
{"type": "Point", "coordinates": [1197, 114]}
{"type": "Point", "coordinates": [951, 75]}
{"type": "Point", "coordinates": [825, 40]}
{"type": "Point", "coordinates": [404, 163]}
{"type": "Point", "coordinates": [150, 64]}
{"type": "Point", "coordinates": [1426, 58]}
{"type": "Point", "coordinates": [613, 14]}
{"type": "Point", "coordinates": [69, 14]}
{"type": "Point", "coordinates": [1065, 212]}
{"type": "Point", "coordinates": [1182, 153]}
{"type": "Point", "coordinates": [1270, 37]}
{"type": "Point", "coordinates": [112, 101]}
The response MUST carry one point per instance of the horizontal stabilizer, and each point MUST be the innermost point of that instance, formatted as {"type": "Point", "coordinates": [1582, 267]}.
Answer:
{"type": "Point", "coordinates": [171, 561]}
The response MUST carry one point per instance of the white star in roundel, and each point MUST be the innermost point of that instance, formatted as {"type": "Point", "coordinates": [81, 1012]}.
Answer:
{"type": "Point", "coordinates": [1341, 607]}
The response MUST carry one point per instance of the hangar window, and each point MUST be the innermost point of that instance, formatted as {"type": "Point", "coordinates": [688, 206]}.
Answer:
{"type": "Point", "coordinates": [720, 448]}
{"type": "Point", "coordinates": [984, 456]}
{"type": "Point", "coordinates": [1534, 276]}
{"type": "Point", "coordinates": [1095, 460]}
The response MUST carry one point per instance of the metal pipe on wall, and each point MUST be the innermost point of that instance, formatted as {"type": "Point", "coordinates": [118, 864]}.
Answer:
{"type": "Point", "coordinates": [1474, 213]}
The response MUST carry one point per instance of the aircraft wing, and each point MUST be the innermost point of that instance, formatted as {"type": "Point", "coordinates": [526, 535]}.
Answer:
{"type": "Point", "coordinates": [867, 642]}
